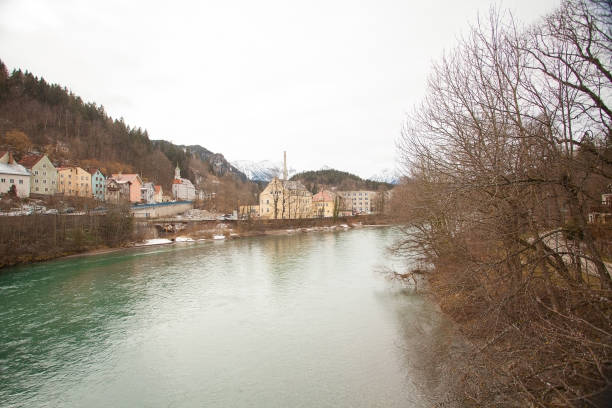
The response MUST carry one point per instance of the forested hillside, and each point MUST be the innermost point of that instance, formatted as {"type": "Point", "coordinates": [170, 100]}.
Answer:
{"type": "Point", "coordinates": [36, 115]}
{"type": "Point", "coordinates": [319, 179]}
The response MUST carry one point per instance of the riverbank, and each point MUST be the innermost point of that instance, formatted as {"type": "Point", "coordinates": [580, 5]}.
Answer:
{"type": "Point", "coordinates": [76, 240]}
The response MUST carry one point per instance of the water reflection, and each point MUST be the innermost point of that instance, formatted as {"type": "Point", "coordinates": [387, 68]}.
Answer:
{"type": "Point", "coordinates": [299, 320]}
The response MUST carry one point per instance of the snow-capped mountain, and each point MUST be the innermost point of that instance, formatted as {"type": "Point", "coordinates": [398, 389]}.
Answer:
{"type": "Point", "coordinates": [386, 176]}
{"type": "Point", "coordinates": [264, 170]}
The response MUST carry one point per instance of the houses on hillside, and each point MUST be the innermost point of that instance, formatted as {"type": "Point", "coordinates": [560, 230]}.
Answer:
{"type": "Point", "coordinates": [36, 175]}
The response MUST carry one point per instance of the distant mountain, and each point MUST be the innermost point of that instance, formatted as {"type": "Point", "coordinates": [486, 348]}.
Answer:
{"type": "Point", "coordinates": [386, 176]}
{"type": "Point", "coordinates": [219, 165]}
{"type": "Point", "coordinates": [263, 170]}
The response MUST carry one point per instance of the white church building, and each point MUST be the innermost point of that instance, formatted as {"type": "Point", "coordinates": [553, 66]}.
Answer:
{"type": "Point", "coordinates": [182, 189]}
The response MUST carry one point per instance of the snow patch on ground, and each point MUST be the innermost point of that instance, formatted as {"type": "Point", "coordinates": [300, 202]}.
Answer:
{"type": "Point", "coordinates": [183, 239]}
{"type": "Point", "coordinates": [156, 241]}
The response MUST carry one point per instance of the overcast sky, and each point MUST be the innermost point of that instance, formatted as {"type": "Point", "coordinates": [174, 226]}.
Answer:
{"type": "Point", "coordinates": [328, 81]}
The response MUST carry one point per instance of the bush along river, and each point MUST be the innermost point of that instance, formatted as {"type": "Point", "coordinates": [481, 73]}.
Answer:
{"type": "Point", "coordinates": [304, 320]}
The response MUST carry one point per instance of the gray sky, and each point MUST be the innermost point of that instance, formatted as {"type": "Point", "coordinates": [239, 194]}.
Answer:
{"type": "Point", "coordinates": [328, 81]}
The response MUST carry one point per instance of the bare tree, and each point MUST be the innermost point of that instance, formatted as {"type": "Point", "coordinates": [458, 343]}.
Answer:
{"type": "Point", "coordinates": [504, 156]}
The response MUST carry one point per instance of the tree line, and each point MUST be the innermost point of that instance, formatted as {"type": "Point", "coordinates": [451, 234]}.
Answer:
{"type": "Point", "coordinates": [58, 122]}
{"type": "Point", "coordinates": [505, 157]}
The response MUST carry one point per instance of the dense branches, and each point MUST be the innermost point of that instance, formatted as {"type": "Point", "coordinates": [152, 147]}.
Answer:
{"type": "Point", "coordinates": [506, 154]}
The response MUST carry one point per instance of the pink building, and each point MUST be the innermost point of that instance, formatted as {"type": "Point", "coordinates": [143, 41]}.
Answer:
{"type": "Point", "coordinates": [135, 185]}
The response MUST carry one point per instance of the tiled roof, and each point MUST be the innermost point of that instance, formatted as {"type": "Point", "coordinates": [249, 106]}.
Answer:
{"type": "Point", "coordinates": [30, 160]}
{"type": "Point", "coordinates": [293, 185]}
{"type": "Point", "coordinates": [157, 189]}
{"type": "Point", "coordinates": [323, 196]}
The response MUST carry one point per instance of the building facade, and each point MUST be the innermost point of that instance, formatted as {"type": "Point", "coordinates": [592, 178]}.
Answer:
{"type": "Point", "coordinates": [13, 174]}
{"type": "Point", "coordinates": [326, 204]}
{"type": "Point", "coordinates": [360, 201]}
{"type": "Point", "coordinates": [98, 184]}
{"type": "Point", "coordinates": [135, 184]}
{"type": "Point", "coordinates": [117, 192]}
{"type": "Point", "coordinates": [282, 199]}
{"type": "Point", "coordinates": [158, 197]}
{"type": "Point", "coordinates": [73, 181]}
{"type": "Point", "coordinates": [147, 193]}
{"type": "Point", "coordinates": [43, 179]}
{"type": "Point", "coordinates": [182, 188]}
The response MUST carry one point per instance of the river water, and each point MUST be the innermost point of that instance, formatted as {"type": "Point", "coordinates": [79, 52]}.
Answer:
{"type": "Point", "coordinates": [304, 320]}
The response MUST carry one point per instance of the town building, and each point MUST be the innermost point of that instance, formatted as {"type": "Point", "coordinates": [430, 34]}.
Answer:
{"type": "Point", "coordinates": [98, 183]}
{"type": "Point", "coordinates": [13, 174]}
{"type": "Point", "coordinates": [135, 184]}
{"type": "Point", "coordinates": [158, 197]}
{"type": "Point", "coordinates": [43, 174]}
{"type": "Point", "coordinates": [117, 192]}
{"type": "Point", "coordinates": [147, 193]}
{"type": "Point", "coordinates": [182, 188]}
{"type": "Point", "coordinates": [73, 181]}
{"type": "Point", "coordinates": [284, 199]}
{"type": "Point", "coordinates": [326, 204]}
{"type": "Point", "coordinates": [360, 201]}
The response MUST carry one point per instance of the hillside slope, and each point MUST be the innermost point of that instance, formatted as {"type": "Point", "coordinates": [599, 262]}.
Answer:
{"type": "Point", "coordinates": [59, 123]}
{"type": "Point", "coordinates": [342, 180]}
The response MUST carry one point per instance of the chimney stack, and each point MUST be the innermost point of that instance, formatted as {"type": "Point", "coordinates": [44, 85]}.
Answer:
{"type": "Point", "coordinates": [285, 165]}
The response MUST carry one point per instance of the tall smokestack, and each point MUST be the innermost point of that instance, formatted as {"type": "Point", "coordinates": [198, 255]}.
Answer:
{"type": "Point", "coordinates": [285, 165]}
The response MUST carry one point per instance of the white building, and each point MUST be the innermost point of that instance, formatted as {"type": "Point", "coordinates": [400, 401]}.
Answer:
{"type": "Point", "coordinates": [182, 189]}
{"type": "Point", "coordinates": [147, 193]}
{"type": "Point", "coordinates": [13, 174]}
{"type": "Point", "coordinates": [360, 202]}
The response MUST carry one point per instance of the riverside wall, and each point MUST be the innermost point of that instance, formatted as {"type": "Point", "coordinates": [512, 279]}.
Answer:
{"type": "Point", "coordinates": [161, 209]}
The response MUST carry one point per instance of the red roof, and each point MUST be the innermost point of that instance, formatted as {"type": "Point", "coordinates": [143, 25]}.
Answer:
{"type": "Point", "coordinates": [157, 189]}
{"type": "Point", "coordinates": [177, 181]}
{"type": "Point", "coordinates": [323, 196]}
{"type": "Point", "coordinates": [29, 160]}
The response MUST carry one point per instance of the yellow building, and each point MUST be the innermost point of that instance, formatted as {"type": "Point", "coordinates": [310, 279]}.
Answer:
{"type": "Point", "coordinates": [326, 204]}
{"type": "Point", "coordinates": [74, 181]}
{"type": "Point", "coordinates": [283, 199]}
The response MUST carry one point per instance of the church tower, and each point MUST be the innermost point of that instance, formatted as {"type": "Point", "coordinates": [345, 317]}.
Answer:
{"type": "Point", "coordinates": [177, 172]}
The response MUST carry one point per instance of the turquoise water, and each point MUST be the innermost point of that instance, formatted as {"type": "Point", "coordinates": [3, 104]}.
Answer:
{"type": "Point", "coordinates": [304, 320]}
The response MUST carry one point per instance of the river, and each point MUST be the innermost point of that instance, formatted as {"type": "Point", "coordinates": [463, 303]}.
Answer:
{"type": "Point", "coordinates": [303, 320]}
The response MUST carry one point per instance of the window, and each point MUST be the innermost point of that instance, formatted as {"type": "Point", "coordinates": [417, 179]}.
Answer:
{"type": "Point", "coordinates": [44, 173]}
{"type": "Point", "coordinates": [36, 172]}
{"type": "Point", "coordinates": [36, 188]}
{"type": "Point", "coordinates": [36, 181]}
{"type": "Point", "coordinates": [3, 180]}
{"type": "Point", "coordinates": [44, 166]}
{"type": "Point", "coordinates": [11, 181]}
{"type": "Point", "coordinates": [46, 189]}
{"type": "Point", "coordinates": [45, 181]}
{"type": "Point", "coordinates": [20, 181]}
